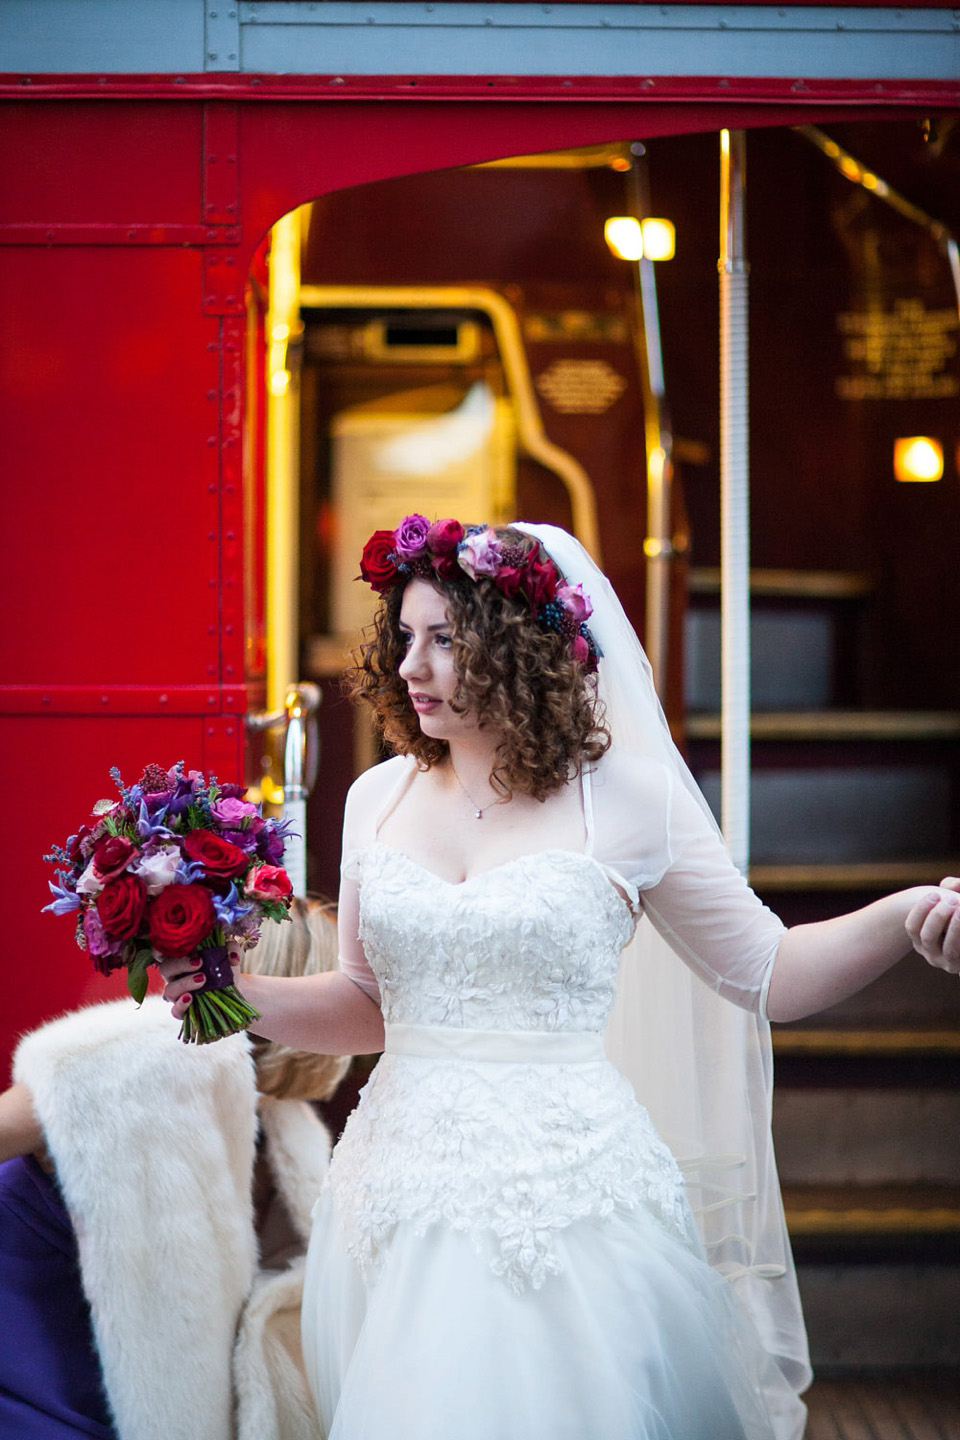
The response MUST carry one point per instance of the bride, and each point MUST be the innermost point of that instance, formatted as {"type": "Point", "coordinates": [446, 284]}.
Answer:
{"type": "Point", "coordinates": [506, 1248]}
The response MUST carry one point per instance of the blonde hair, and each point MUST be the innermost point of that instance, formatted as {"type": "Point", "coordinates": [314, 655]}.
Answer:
{"type": "Point", "coordinates": [306, 944]}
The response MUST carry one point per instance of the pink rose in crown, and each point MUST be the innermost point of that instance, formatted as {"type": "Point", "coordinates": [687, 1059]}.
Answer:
{"type": "Point", "coordinates": [576, 604]}
{"type": "Point", "coordinates": [444, 536]}
{"type": "Point", "coordinates": [480, 554]}
{"type": "Point", "coordinates": [541, 584]}
{"type": "Point", "coordinates": [511, 581]}
{"type": "Point", "coordinates": [580, 651]}
{"type": "Point", "coordinates": [268, 882]}
{"type": "Point", "coordinates": [410, 537]}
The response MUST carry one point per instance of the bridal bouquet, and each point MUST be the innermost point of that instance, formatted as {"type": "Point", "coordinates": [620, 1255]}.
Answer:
{"type": "Point", "coordinates": [178, 866]}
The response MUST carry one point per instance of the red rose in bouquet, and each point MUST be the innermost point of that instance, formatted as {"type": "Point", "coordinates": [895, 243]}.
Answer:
{"type": "Point", "coordinates": [120, 906]}
{"type": "Point", "coordinates": [112, 856]}
{"type": "Point", "coordinates": [179, 918]}
{"type": "Point", "coordinates": [217, 856]}
{"type": "Point", "coordinates": [376, 564]}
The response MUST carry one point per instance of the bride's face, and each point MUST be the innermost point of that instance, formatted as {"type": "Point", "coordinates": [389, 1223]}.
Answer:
{"type": "Point", "coordinates": [427, 669]}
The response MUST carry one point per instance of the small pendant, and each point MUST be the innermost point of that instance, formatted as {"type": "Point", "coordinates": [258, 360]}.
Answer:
{"type": "Point", "coordinates": [479, 814]}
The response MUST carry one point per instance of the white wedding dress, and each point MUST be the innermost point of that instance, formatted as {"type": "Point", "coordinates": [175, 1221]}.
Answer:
{"type": "Point", "coordinates": [504, 1249]}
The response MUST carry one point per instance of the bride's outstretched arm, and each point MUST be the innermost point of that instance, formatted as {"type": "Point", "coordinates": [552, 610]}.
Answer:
{"type": "Point", "coordinates": [820, 964]}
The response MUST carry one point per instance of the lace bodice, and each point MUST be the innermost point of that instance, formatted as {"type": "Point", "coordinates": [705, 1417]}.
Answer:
{"type": "Point", "coordinates": [507, 1151]}
{"type": "Point", "coordinates": [531, 945]}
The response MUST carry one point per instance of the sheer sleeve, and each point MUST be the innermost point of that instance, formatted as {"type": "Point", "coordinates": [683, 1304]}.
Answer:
{"type": "Point", "coordinates": [366, 800]}
{"type": "Point", "coordinates": [657, 842]}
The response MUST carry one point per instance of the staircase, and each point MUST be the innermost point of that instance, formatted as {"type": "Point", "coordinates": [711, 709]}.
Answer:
{"type": "Point", "coordinates": [848, 804]}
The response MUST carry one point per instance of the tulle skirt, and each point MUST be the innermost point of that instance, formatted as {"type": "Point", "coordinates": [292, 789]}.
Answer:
{"type": "Point", "coordinates": [635, 1338]}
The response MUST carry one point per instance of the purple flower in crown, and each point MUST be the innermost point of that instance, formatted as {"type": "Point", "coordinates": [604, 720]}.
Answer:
{"type": "Point", "coordinates": [410, 537]}
{"type": "Point", "coordinates": [480, 554]}
{"type": "Point", "coordinates": [576, 604]}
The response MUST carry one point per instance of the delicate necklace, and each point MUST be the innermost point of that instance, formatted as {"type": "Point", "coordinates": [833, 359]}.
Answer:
{"type": "Point", "coordinates": [478, 809]}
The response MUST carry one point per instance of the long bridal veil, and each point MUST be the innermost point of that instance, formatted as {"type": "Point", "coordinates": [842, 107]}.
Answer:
{"type": "Point", "coordinates": [702, 1067]}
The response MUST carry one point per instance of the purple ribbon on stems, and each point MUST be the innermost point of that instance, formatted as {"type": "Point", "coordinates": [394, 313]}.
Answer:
{"type": "Point", "coordinates": [218, 1008]}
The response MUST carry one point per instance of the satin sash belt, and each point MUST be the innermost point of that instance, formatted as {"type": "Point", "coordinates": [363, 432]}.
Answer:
{"type": "Point", "coordinates": [521, 1047]}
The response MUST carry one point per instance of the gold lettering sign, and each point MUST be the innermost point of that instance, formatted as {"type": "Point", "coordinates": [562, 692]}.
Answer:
{"type": "Point", "coordinates": [900, 354]}
{"type": "Point", "coordinates": [580, 387]}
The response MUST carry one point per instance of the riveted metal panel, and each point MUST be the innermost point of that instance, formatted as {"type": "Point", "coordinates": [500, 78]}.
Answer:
{"type": "Point", "coordinates": [583, 39]}
{"type": "Point", "coordinates": [102, 35]}
{"type": "Point", "coordinates": [466, 38]}
{"type": "Point", "coordinates": [221, 35]}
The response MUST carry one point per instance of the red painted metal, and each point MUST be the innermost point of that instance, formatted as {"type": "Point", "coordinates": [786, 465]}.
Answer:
{"type": "Point", "coordinates": [43, 700]}
{"type": "Point", "coordinates": [173, 235]}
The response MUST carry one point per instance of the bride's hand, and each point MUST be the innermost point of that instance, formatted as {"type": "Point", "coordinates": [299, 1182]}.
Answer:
{"type": "Point", "coordinates": [183, 977]}
{"type": "Point", "coordinates": [180, 979]}
{"type": "Point", "coordinates": [934, 926]}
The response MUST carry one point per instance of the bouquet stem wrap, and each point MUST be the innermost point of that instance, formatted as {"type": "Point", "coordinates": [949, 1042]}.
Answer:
{"type": "Point", "coordinates": [217, 1008]}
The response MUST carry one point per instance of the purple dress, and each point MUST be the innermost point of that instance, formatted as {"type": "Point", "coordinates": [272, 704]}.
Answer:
{"type": "Point", "coordinates": [51, 1386]}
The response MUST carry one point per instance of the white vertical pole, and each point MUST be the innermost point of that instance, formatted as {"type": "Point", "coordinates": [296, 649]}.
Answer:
{"type": "Point", "coordinates": [735, 500]}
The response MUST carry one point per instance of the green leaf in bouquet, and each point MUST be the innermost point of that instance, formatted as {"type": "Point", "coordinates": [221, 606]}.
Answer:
{"type": "Point", "coordinates": [274, 909]}
{"type": "Point", "coordinates": [137, 975]}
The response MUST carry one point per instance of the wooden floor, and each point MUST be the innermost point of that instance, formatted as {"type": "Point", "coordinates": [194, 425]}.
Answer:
{"type": "Point", "coordinates": [914, 1406]}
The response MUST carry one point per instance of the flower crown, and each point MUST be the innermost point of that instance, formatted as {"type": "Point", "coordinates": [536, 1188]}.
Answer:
{"type": "Point", "coordinates": [446, 549]}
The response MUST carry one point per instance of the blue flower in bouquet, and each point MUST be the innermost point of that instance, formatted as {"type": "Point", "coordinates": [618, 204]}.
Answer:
{"type": "Point", "coordinates": [231, 909]}
{"type": "Point", "coordinates": [65, 900]}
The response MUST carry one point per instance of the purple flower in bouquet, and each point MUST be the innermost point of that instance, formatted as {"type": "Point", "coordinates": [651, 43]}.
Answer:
{"type": "Point", "coordinates": [270, 845]}
{"type": "Point", "coordinates": [98, 941]}
{"type": "Point", "coordinates": [149, 825]}
{"type": "Point", "coordinates": [233, 813]}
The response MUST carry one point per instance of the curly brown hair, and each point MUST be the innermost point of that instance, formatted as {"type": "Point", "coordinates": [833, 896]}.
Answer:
{"type": "Point", "coordinates": [514, 675]}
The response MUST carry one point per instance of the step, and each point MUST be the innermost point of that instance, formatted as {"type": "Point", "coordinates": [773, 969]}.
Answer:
{"type": "Point", "coordinates": [881, 876]}
{"type": "Point", "coordinates": [790, 584]}
{"type": "Point", "coordinates": [883, 1314]}
{"type": "Point", "coordinates": [844, 814]}
{"type": "Point", "coordinates": [872, 1210]}
{"type": "Point", "coordinates": [826, 1042]}
{"type": "Point", "coordinates": [868, 1122]}
{"type": "Point", "coordinates": [837, 725]}
{"type": "Point", "coordinates": [791, 659]}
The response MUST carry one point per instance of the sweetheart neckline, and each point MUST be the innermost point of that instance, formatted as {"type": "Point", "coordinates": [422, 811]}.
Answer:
{"type": "Point", "coordinates": [591, 860]}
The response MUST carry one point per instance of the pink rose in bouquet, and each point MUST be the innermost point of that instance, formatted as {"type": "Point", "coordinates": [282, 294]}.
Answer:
{"type": "Point", "coordinates": [267, 882]}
